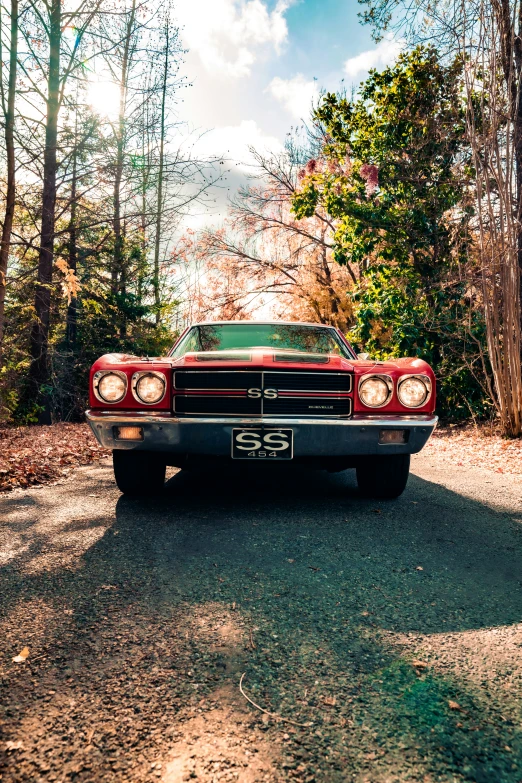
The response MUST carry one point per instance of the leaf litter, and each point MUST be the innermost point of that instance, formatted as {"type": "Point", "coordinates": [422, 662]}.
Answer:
{"type": "Point", "coordinates": [480, 446]}
{"type": "Point", "coordinates": [36, 455]}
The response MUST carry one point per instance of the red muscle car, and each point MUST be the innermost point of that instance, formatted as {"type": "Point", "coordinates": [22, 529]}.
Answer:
{"type": "Point", "coordinates": [262, 391]}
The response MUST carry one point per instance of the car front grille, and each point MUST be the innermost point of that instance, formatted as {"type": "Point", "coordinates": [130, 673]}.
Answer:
{"type": "Point", "coordinates": [262, 393]}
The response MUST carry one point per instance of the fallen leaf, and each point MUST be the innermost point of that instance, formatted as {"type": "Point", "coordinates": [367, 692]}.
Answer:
{"type": "Point", "coordinates": [290, 560]}
{"type": "Point", "coordinates": [420, 664]}
{"type": "Point", "coordinates": [22, 656]}
{"type": "Point", "coordinates": [12, 745]}
{"type": "Point", "coordinates": [330, 700]}
{"type": "Point", "coordinates": [365, 614]}
{"type": "Point", "coordinates": [453, 705]}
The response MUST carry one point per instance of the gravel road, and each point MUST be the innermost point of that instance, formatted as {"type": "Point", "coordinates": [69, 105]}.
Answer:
{"type": "Point", "coordinates": [382, 640]}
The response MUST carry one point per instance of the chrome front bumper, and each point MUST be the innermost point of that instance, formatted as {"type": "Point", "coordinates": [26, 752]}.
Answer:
{"type": "Point", "coordinates": [312, 437]}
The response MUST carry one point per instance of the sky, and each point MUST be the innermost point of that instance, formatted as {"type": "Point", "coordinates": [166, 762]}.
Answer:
{"type": "Point", "coordinates": [255, 66]}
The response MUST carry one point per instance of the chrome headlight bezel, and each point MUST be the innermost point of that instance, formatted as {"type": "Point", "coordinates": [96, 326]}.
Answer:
{"type": "Point", "coordinates": [98, 376]}
{"type": "Point", "coordinates": [137, 376]}
{"type": "Point", "coordinates": [378, 376]}
{"type": "Point", "coordinates": [425, 379]}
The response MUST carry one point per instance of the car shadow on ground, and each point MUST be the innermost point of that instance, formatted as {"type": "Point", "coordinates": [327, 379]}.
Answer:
{"type": "Point", "coordinates": [329, 596]}
{"type": "Point", "coordinates": [433, 543]}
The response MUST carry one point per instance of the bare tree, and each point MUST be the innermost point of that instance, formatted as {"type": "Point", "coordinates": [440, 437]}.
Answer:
{"type": "Point", "coordinates": [55, 74]}
{"type": "Point", "coordinates": [494, 131]}
{"type": "Point", "coordinates": [278, 257]}
{"type": "Point", "coordinates": [159, 187]}
{"type": "Point", "coordinates": [8, 108]}
{"type": "Point", "coordinates": [118, 269]}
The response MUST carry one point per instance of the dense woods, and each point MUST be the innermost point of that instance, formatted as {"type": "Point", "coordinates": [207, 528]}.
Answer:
{"type": "Point", "coordinates": [91, 198]}
{"type": "Point", "coordinates": [393, 213]}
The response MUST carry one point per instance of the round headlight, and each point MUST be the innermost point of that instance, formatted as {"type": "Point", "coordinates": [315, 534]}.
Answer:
{"type": "Point", "coordinates": [150, 388]}
{"type": "Point", "coordinates": [374, 391]}
{"type": "Point", "coordinates": [112, 387]}
{"type": "Point", "coordinates": [413, 392]}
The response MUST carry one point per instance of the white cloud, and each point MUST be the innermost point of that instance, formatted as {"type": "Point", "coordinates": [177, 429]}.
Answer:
{"type": "Point", "coordinates": [296, 94]}
{"type": "Point", "coordinates": [232, 143]}
{"type": "Point", "coordinates": [227, 34]}
{"type": "Point", "coordinates": [383, 54]}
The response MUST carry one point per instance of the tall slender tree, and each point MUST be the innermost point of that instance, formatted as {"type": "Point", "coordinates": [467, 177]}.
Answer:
{"type": "Point", "coordinates": [118, 269]}
{"type": "Point", "coordinates": [159, 205]}
{"type": "Point", "coordinates": [55, 74]}
{"type": "Point", "coordinates": [8, 108]}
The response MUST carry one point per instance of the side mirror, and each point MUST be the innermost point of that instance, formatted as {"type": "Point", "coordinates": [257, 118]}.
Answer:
{"type": "Point", "coordinates": [363, 356]}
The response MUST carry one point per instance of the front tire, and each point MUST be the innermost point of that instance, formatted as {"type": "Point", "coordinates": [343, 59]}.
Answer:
{"type": "Point", "coordinates": [383, 476]}
{"type": "Point", "coordinates": [138, 472]}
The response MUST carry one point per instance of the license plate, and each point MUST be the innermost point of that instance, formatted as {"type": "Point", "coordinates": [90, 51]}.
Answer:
{"type": "Point", "coordinates": [267, 444]}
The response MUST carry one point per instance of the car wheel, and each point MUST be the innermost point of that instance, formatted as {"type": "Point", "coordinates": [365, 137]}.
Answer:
{"type": "Point", "coordinates": [383, 476]}
{"type": "Point", "coordinates": [138, 472]}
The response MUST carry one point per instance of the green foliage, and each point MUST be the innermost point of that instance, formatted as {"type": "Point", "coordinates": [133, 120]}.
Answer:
{"type": "Point", "coordinates": [394, 317]}
{"type": "Point", "coordinates": [106, 321]}
{"type": "Point", "coordinates": [392, 176]}
{"type": "Point", "coordinates": [408, 123]}
{"type": "Point", "coordinates": [109, 324]}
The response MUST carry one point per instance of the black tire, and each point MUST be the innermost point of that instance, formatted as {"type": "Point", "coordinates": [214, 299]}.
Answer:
{"type": "Point", "coordinates": [383, 476]}
{"type": "Point", "coordinates": [138, 472]}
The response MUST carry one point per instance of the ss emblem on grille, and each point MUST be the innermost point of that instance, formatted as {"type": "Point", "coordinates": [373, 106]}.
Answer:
{"type": "Point", "coordinates": [268, 394]}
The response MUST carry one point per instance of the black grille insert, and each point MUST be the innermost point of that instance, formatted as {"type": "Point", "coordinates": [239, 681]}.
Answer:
{"type": "Point", "coordinates": [216, 406]}
{"type": "Point", "coordinates": [251, 393]}
{"type": "Point", "coordinates": [219, 379]}
{"type": "Point", "coordinates": [308, 381]}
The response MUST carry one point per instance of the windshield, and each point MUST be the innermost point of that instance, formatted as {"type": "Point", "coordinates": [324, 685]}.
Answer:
{"type": "Point", "coordinates": [241, 335]}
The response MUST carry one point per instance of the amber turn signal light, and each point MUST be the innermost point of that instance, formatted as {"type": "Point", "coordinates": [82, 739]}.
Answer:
{"type": "Point", "coordinates": [393, 436]}
{"type": "Point", "coordinates": [128, 433]}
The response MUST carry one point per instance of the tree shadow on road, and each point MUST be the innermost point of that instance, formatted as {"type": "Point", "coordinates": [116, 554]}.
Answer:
{"type": "Point", "coordinates": [326, 601]}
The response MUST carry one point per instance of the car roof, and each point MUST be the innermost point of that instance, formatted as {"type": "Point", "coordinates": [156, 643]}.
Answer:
{"type": "Point", "coordinates": [263, 323]}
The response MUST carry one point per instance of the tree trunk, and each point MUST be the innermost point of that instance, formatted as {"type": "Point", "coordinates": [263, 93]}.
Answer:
{"type": "Point", "coordinates": [39, 370]}
{"type": "Point", "coordinates": [9, 111]}
{"type": "Point", "coordinates": [159, 210]}
{"type": "Point", "coordinates": [143, 217]}
{"type": "Point", "coordinates": [72, 309]}
{"type": "Point", "coordinates": [117, 274]}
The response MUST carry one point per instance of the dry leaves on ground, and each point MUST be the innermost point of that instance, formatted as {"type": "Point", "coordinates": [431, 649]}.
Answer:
{"type": "Point", "coordinates": [37, 455]}
{"type": "Point", "coordinates": [479, 447]}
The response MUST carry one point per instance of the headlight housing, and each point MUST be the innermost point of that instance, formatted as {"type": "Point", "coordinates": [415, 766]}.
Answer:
{"type": "Point", "coordinates": [414, 390]}
{"type": "Point", "coordinates": [375, 390]}
{"type": "Point", "coordinates": [149, 387]}
{"type": "Point", "coordinates": [110, 386]}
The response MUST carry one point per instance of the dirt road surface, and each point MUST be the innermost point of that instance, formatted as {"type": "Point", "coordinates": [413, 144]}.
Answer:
{"type": "Point", "coordinates": [381, 640]}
